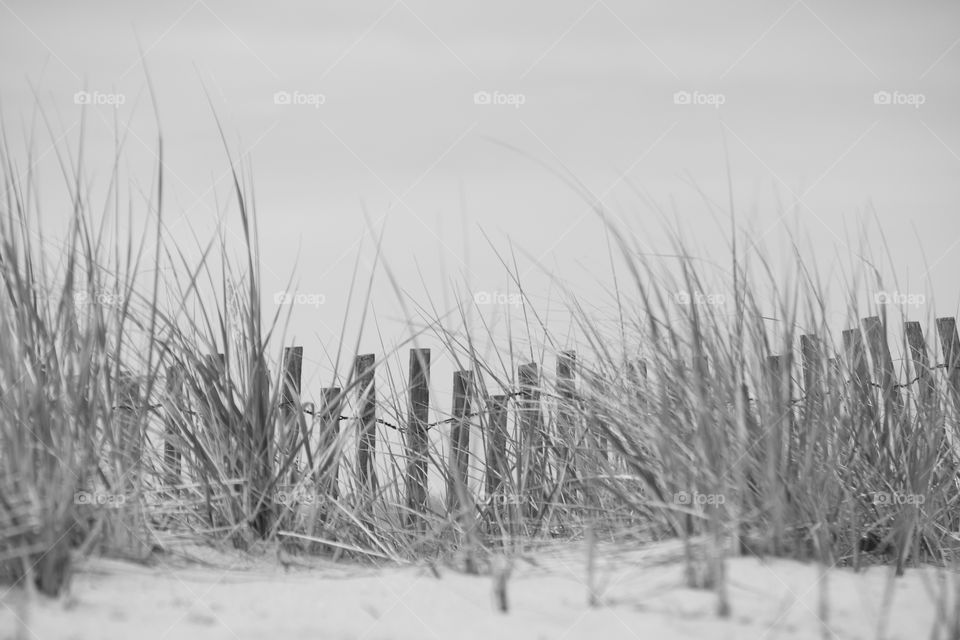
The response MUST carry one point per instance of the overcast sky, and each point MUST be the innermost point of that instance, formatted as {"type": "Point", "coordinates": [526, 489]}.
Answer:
{"type": "Point", "coordinates": [633, 98]}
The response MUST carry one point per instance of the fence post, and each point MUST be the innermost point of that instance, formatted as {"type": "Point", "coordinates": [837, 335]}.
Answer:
{"type": "Point", "coordinates": [811, 357]}
{"type": "Point", "coordinates": [812, 362]}
{"type": "Point", "coordinates": [595, 397]}
{"type": "Point", "coordinates": [921, 361]}
{"type": "Point", "coordinates": [291, 386]}
{"type": "Point", "coordinates": [129, 435]}
{"type": "Point", "coordinates": [367, 408]}
{"type": "Point", "coordinates": [497, 470]}
{"type": "Point", "coordinates": [863, 405]}
{"type": "Point", "coordinates": [637, 376]}
{"type": "Point", "coordinates": [876, 334]}
{"type": "Point", "coordinates": [174, 400]}
{"type": "Point", "coordinates": [416, 438]}
{"type": "Point", "coordinates": [261, 498]}
{"type": "Point", "coordinates": [131, 532]}
{"type": "Point", "coordinates": [457, 487]}
{"type": "Point", "coordinates": [780, 379]}
{"type": "Point", "coordinates": [567, 436]}
{"type": "Point", "coordinates": [328, 448]}
{"type": "Point", "coordinates": [289, 415]}
{"type": "Point", "coordinates": [213, 371]}
{"type": "Point", "coordinates": [530, 477]}
{"type": "Point", "coordinates": [777, 418]}
{"type": "Point", "coordinates": [950, 345]}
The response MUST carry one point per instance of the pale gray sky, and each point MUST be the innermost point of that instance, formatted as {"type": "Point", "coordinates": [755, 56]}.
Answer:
{"type": "Point", "coordinates": [399, 130]}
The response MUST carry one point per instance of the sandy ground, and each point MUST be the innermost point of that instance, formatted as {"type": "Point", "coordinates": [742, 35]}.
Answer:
{"type": "Point", "coordinates": [642, 596]}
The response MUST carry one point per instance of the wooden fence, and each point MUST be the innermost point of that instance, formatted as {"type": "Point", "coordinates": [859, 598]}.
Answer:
{"type": "Point", "coordinates": [876, 394]}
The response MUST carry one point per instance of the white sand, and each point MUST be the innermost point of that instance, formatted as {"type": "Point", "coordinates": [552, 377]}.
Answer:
{"type": "Point", "coordinates": [642, 592]}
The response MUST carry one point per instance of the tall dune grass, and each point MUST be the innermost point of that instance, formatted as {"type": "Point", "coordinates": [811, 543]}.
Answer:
{"type": "Point", "coordinates": [118, 428]}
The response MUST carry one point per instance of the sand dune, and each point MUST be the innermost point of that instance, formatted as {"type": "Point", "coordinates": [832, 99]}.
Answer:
{"type": "Point", "coordinates": [641, 591]}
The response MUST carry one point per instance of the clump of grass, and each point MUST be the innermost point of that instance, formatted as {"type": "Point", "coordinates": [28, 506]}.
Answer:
{"type": "Point", "coordinates": [734, 443]}
{"type": "Point", "coordinates": [72, 378]}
